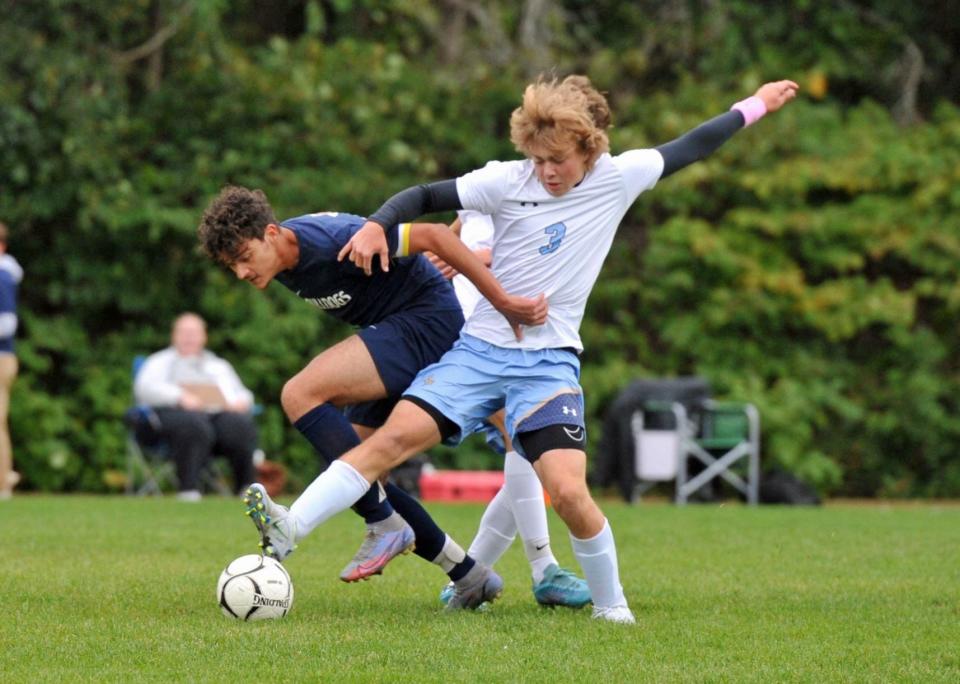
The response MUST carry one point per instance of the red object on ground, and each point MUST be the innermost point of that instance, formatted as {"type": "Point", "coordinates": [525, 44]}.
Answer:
{"type": "Point", "coordinates": [460, 485]}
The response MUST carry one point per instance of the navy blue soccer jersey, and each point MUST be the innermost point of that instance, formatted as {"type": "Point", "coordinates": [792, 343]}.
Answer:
{"type": "Point", "coordinates": [343, 290]}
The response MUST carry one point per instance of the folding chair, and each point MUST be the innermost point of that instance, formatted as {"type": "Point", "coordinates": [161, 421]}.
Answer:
{"type": "Point", "coordinates": [719, 435]}
{"type": "Point", "coordinates": [149, 466]}
{"type": "Point", "coordinates": [729, 433]}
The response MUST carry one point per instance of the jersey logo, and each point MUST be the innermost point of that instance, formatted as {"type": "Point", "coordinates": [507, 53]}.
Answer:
{"type": "Point", "coordinates": [334, 301]}
{"type": "Point", "coordinates": [556, 233]}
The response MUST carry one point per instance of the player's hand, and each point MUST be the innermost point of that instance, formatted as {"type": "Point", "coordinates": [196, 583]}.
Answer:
{"type": "Point", "coordinates": [446, 270]}
{"type": "Point", "coordinates": [777, 94]}
{"type": "Point", "coordinates": [367, 243]}
{"type": "Point", "coordinates": [524, 311]}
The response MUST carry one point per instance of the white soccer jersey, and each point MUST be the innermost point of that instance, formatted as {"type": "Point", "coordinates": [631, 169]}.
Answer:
{"type": "Point", "coordinates": [552, 245]}
{"type": "Point", "coordinates": [476, 232]}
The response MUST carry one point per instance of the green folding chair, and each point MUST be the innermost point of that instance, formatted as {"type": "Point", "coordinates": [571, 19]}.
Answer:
{"type": "Point", "coordinates": [722, 436]}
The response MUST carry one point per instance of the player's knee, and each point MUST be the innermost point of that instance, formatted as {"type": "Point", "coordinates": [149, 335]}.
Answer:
{"type": "Point", "coordinates": [288, 397]}
{"type": "Point", "coordinates": [390, 447]}
{"type": "Point", "coordinates": [377, 455]}
{"type": "Point", "coordinates": [568, 497]}
{"type": "Point", "coordinates": [297, 397]}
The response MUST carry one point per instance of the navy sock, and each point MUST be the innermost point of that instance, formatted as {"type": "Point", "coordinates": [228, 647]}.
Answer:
{"type": "Point", "coordinates": [430, 538]}
{"type": "Point", "coordinates": [461, 569]}
{"type": "Point", "coordinates": [331, 435]}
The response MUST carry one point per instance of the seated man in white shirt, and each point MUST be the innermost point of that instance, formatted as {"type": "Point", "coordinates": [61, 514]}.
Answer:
{"type": "Point", "coordinates": [202, 406]}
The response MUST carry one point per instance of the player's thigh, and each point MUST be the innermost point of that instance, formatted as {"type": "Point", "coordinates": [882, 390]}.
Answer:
{"type": "Point", "coordinates": [363, 431]}
{"type": "Point", "coordinates": [343, 374]}
{"type": "Point", "coordinates": [498, 420]}
{"type": "Point", "coordinates": [563, 470]}
{"type": "Point", "coordinates": [408, 431]}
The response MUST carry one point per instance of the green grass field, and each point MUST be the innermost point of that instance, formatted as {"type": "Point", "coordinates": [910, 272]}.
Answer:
{"type": "Point", "coordinates": [108, 589]}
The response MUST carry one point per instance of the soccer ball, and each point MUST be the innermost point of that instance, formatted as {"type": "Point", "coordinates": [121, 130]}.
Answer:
{"type": "Point", "coordinates": [254, 587]}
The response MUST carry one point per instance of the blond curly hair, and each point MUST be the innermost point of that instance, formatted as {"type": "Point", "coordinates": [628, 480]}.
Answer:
{"type": "Point", "coordinates": [562, 116]}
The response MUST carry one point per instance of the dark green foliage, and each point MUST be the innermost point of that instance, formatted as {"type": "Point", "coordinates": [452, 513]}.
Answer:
{"type": "Point", "coordinates": [810, 266]}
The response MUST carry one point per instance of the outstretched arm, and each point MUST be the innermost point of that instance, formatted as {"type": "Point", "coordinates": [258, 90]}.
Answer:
{"type": "Point", "coordinates": [439, 239]}
{"type": "Point", "coordinates": [406, 205]}
{"type": "Point", "coordinates": [705, 138]}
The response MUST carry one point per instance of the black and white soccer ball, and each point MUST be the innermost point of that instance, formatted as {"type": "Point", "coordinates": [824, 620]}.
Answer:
{"type": "Point", "coordinates": [255, 587]}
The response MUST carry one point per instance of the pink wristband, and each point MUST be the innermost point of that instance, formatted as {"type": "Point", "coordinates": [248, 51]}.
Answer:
{"type": "Point", "coordinates": [752, 109]}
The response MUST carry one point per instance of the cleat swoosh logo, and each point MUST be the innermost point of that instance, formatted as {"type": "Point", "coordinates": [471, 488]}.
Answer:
{"type": "Point", "coordinates": [575, 435]}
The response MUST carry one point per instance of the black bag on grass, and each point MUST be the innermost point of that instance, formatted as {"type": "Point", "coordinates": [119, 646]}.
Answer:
{"type": "Point", "coordinates": [780, 487]}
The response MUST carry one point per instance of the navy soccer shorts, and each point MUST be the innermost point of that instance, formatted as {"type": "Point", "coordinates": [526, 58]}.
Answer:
{"type": "Point", "coordinates": [402, 345]}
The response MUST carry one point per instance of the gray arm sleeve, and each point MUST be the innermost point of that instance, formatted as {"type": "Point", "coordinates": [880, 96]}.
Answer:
{"type": "Point", "coordinates": [700, 142]}
{"type": "Point", "coordinates": [416, 201]}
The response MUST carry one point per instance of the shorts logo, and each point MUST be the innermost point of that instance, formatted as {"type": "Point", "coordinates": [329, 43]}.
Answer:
{"type": "Point", "coordinates": [575, 435]}
{"type": "Point", "coordinates": [334, 301]}
{"type": "Point", "coordinates": [428, 380]}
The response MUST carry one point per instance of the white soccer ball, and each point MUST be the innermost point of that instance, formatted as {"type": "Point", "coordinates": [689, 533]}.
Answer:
{"type": "Point", "coordinates": [255, 587]}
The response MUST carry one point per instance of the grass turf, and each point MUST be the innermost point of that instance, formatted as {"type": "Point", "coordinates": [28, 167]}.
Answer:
{"type": "Point", "coordinates": [107, 589]}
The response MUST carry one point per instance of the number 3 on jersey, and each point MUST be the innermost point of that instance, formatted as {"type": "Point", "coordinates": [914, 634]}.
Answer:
{"type": "Point", "coordinates": [556, 233]}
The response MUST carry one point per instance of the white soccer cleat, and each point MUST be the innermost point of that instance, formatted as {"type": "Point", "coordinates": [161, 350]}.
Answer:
{"type": "Point", "coordinates": [618, 614]}
{"type": "Point", "coordinates": [278, 531]}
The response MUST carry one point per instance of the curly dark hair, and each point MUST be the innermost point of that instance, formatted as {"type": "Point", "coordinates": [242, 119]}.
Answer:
{"type": "Point", "coordinates": [236, 215]}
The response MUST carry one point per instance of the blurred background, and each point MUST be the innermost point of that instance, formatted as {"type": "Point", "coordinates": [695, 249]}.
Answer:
{"type": "Point", "coordinates": [810, 266]}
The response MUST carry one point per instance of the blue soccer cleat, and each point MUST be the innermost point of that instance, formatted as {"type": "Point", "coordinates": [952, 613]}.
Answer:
{"type": "Point", "coordinates": [446, 593]}
{"type": "Point", "coordinates": [560, 587]}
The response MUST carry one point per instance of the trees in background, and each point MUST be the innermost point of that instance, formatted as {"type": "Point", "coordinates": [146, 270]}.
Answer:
{"type": "Point", "coordinates": [810, 266]}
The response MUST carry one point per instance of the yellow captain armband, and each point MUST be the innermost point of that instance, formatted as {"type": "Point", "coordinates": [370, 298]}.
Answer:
{"type": "Point", "coordinates": [403, 240]}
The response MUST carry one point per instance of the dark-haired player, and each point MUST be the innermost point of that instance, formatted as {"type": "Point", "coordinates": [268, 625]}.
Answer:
{"type": "Point", "coordinates": [408, 317]}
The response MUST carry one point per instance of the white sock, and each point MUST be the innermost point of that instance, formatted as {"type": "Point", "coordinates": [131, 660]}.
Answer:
{"type": "Point", "coordinates": [598, 558]}
{"type": "Point", "coordinates": [526, 499]}
{"type": "Point", "coordinates": [497, 531]}
{"type": "Point", "coordinates": [451, 555]}
{"type": "Point", "coordinates": [335, 489]}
